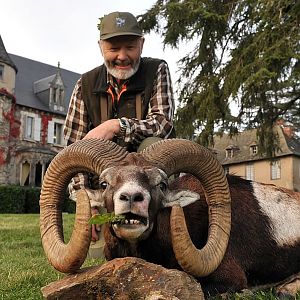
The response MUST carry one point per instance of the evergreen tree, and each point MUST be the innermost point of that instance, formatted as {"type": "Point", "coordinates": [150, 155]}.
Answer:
{"type": "Point", "coordinates": [246, 55]}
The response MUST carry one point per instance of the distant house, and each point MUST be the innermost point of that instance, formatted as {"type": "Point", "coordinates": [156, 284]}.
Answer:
{"type": "Point", "coordinates": [34, 100]}
{"type": "Point", "coordinates": [240, 156]}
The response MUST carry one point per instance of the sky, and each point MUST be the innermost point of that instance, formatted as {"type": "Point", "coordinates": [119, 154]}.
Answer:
{"type": "Point", "coordinates": [66, 31]}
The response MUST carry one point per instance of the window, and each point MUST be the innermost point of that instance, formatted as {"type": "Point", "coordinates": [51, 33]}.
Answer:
{"type": "Point", "coordinates": [57, 94]}
{"type": "Point", "coordinates": [25, 172]}
{"type": "Point", "coordinates": [38, 174]}
{"type": "Point", "coordinates": [253, 149]}
{"type": "Point", "coordinates": [250, 171]}
{"type": "Point", "coordinates": [32, 126]}
{"type": "Point", "coordinates": [229, 153]}
{"type": "Point", "coordinates": [58, 133]}
{"type": "Point", "coordinates": [1, 72]}
{"type": "Point", "coordinates": [32, 173]}
{"type": "Point", "coordinates": [29, 127]}
{"type": "Point", "coordinates": [61, 97]}
{"type": "Point", "coordinates": [55, 132]}
{"type": "Point", "coordinates": [54, 95]}
{"type": "Point", "coordinates": [275, 169]}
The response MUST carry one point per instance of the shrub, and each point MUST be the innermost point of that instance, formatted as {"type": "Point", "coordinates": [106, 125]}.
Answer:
{"type": "Point", "coordinates": [69, 205]}
{"type": "Point", "coordinates": [19, 199]}
{"type": "Point", "coordinates": [12, 199]}
{"type": "Point", "coordinates": [32, 200]}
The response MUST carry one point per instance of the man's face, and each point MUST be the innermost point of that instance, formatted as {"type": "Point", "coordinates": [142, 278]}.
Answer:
{"type": "Point", "coordinates": [122, 55]}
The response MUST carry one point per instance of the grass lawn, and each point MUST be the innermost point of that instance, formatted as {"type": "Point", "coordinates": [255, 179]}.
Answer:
{"type": "Point", "coordinates": [24, 268]}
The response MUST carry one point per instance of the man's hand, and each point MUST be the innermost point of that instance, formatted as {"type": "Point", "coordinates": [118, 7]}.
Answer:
{"type": "Point", "coordinates": [106, 130]}
{"type": "Point", "coordinates": [95, 227]}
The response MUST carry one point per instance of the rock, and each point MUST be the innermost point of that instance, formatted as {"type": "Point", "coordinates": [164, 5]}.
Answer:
{"type": "Point", "coordinates": [125, 279]}
{"type": "Point", "coordinates": [289, 288]}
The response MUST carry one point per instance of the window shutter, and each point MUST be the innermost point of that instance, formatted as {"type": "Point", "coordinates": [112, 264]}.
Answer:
{"type": "Point", "coordinates": [250, 171]}
{"type": "Point", "coordinates": [37, 129]}
{"type": "Point", "coordinates": [50, 132]}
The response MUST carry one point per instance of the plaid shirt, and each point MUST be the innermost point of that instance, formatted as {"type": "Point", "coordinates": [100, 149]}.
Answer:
{"type": "Point", "coordinates": [158, 121]}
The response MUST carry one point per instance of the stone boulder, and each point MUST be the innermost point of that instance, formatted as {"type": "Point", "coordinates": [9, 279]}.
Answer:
{"type": "Point", "coordinates": [125, 279]}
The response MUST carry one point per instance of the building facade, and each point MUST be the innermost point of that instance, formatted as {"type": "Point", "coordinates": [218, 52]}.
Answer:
{"type": "Point", "coordinates": [240, 156]}
{"type": "Point", "coordinates": [34, 99]}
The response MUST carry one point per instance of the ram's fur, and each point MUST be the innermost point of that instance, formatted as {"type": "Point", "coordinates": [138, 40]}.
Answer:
{"type": "Point", "coordinates": [264, 244]}
{"type": "Point", "coordinates": [235, 233]}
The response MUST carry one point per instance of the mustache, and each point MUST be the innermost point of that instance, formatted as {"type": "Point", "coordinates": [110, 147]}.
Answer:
{"type": "Point", "coordinates": [118, 62]}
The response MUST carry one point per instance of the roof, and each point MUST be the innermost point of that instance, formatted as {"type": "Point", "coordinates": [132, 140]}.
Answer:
{"type": "Point", "coordinates": [42, 84]}
{"type": "Point", "coordinates": [30, 72]}
{"type": "Point", "coordinates": [241, 143]}
{"type": "Point", "coordinates": [4, 57]}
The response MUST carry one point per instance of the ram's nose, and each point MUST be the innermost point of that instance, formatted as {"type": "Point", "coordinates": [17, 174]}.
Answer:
{"type": "Point", "coordinates": [135, 197]}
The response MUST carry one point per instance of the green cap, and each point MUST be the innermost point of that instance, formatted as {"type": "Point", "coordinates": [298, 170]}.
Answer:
{"type": "Point", "coordinates": [119, 23]}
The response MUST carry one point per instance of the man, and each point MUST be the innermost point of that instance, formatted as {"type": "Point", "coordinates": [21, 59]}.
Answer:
{"type": "Point", "coordinates": [128, 99]}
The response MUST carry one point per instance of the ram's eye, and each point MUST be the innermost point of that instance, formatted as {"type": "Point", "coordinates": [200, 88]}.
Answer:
{"type": "Point", "coordinates": [103, 185]}
{"type": "Point", "coordinates": [163, 186]}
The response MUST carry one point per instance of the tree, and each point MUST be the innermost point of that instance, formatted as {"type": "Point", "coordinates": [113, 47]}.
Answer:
{"type": "Point", "coordinates": [246, 55]}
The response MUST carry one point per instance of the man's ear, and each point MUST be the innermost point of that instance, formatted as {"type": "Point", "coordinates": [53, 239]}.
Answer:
{"type": "Point", "coordinates": [100, 46]}
{"type": "Point", "coordinates": [181, 197]}
{"type": "Point", "coordinates": [142, 43]}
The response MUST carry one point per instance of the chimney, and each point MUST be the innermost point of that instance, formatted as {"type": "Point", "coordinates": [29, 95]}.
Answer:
{"type": "Point", "coordinates": [288, 130]}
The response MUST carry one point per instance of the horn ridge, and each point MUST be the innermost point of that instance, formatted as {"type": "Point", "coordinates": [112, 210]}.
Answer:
{"type": "Point", "coordinates": [178, 155]}
{"type": "Point", "coordinates": [93, 156]}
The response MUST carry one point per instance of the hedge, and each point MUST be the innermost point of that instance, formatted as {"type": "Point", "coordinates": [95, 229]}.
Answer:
{"type": "Point", "coordinates": [19, 200]}
{"type": "Point", "coordinates": [12, 199]}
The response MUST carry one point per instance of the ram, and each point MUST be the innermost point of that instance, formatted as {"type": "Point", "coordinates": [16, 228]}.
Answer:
{"type": "Point", "coordinates": [229, 233]}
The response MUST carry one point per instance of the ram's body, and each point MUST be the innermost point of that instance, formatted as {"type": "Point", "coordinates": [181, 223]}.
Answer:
{"type": "Point", "coordinates": [264, 244]}
{"type": "Point", "coordinates": [240, 233]}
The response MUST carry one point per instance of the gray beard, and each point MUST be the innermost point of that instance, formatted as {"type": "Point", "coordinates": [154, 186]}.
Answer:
{"type": "Point", "coordinates": [122, 75]}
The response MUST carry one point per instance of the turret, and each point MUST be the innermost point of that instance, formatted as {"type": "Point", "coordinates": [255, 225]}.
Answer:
{"type": "Point", "coordinates": [8, 70]}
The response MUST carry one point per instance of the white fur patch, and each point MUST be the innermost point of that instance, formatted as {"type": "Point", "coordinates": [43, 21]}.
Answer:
{"type": "Point", "coordinates": [283, 211]}
{"type": "Point", "coordinates": [130, 187]}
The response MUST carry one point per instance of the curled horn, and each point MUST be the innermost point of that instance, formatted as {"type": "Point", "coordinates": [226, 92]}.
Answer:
{"type": "Point", "coordinates": [92, 156]}
{"type": "Point", "coordinates": [174, 156]}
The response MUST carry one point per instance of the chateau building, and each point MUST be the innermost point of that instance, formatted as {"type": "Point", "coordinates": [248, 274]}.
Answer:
{"type": "Point", "coordinates": [240, 156]}
{"type": "Point", "coordinates": [34, 99]}
{"type": "Point", "coordinates": [33, 104]}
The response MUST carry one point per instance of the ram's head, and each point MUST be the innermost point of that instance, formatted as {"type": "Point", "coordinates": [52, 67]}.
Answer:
{"type": "Point", "coordinates": [136, 186]}
{"type": "Point", "coordinates": [137, 191]}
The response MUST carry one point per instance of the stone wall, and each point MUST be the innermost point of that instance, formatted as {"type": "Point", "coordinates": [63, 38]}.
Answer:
{"type": "Point", "coordinates": [18, 154]}
{"type": "Point", "coordinates": [6, 103]}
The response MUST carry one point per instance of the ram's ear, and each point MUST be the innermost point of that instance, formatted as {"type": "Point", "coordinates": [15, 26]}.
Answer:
{"type": "Point", "coordinates": [180, 197]}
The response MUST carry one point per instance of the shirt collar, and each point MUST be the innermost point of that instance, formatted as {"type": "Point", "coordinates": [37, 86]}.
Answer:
{"type": "Point", "coordinates": [111, 81]}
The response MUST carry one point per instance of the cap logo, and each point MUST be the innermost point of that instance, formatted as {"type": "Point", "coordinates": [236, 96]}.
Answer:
{"type": "Point", "coordinates": [120, 22]}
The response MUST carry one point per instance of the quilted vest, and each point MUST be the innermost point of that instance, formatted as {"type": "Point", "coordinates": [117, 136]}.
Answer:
{"type": "Point", "coordinates": [133, 103]}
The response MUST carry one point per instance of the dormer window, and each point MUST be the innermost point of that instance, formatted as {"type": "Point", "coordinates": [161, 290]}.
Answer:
{"type": "Point", "coordinates": [51, 92]}
{"type": "Point", "coordinates": [57, 95]}
{"type": "Point", "coordinates": [253, 149]}
{"type": "Point", "coordinates": [229, 153]}
{"type": "Point", "coordinates": [231, 150]}
{"type": "Point", "coordinates": [54, 95]}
